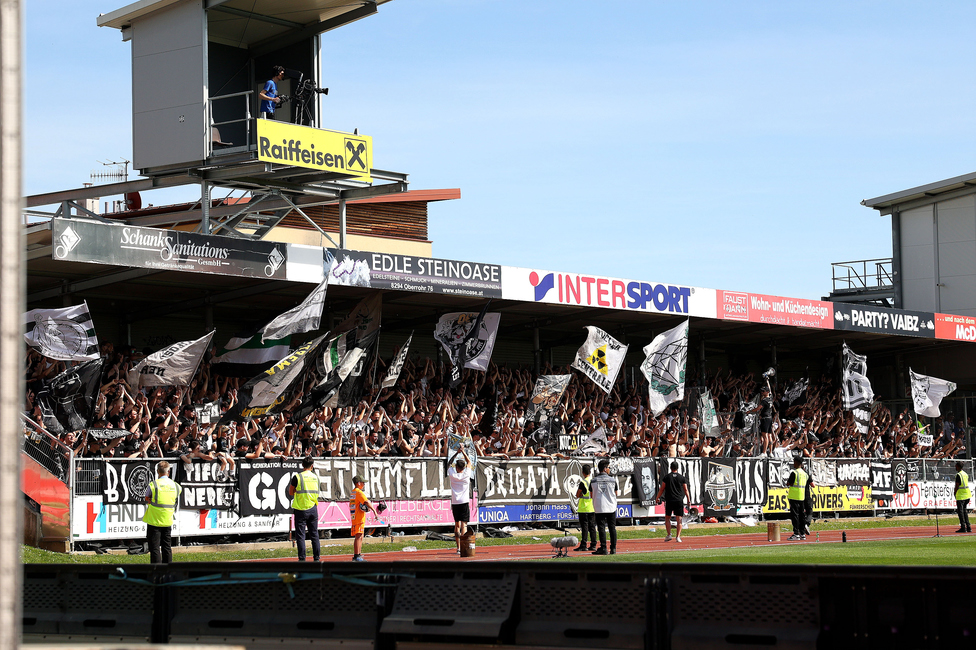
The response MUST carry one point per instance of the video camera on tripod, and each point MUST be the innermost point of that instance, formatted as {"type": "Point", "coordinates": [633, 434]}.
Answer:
{"type": "Point", "coordinates": [303, 96]}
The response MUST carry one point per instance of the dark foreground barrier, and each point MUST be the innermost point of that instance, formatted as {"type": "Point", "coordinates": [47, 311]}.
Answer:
{"type": "Point", "coordinates": [523, 604]}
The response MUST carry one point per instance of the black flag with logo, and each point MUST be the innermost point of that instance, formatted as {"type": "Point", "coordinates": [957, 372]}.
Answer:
{"type": "Point", "coordinates": [68, 401]}
{"type": "Point", "coordinates": [351, 390]}
{"type": "Point", "coordinates": [461, 355]}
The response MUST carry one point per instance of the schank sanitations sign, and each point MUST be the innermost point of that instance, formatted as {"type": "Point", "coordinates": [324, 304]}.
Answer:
{"type": "Point", "coordinates": [303, 146]}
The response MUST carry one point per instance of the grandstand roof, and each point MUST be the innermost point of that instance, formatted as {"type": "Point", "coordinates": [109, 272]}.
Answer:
{"type": "Point", "coordinates": [966, 182]}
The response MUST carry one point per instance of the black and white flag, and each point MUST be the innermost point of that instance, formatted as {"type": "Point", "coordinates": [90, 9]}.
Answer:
{"type": "Point", "coordinates": [600, 358]}
{"type": "Point", "coordinates": [246, 355]}
{"type": "Point", "coordinates": [66, 334]}
{"type": "Point", "coordinates": [265, 394]}
{"type": "Point", "coordinates": [365, 318]}
{"type": "Point", "coordinates": [664, 367]}
{"type": "Point", "coordinates": [174, 365]}
{"type": "Point", "coordinates": [595, 443]}
{"type": "Point", "coordinates": [707, 415]}
{"type": "Point", "coordinates": [927, 393]}
{"type": "Point", "coordinates": [855, 388]}
{"type": "Point", "coordinates": [338, 358]}
{"type": "Point", "coordinates": [68, 402]}
{"type": "Point", "coordinates": [305, 317]}
{"type": "Point", "coordinates": [108, 434]}
{"type": "Point", "coordinates": [396, 366]}
{"type": "Point", "coordinates": [354, 383]}
{"type": "Point", "coordinates": [548, 391]}
{"type": "Point", "coordinates": [796, 391]}
{"type": "Point", "coordinates": [468, 338]}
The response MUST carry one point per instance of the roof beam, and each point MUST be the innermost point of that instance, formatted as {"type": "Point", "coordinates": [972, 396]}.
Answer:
{"type": "Point", "coordinates": [275, 43]}
{"type": "Point", "coordinates": [281, 22]}
{"type": "Point", "coordinates": [84, 285]}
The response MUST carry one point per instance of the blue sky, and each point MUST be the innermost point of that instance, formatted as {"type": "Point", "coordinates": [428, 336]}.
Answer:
{"type": "Point", "coordinates": [715, 144]}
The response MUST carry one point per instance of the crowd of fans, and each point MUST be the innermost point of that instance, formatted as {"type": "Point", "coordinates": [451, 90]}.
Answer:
{"type": "Point", "coordinates": [416, 416]}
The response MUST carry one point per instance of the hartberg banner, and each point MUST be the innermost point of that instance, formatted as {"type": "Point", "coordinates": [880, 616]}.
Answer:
{"type": "Point", "coordinates": [878, 320]}
{"type": "Point", "coordinates": [533, 285]}
{"type": "Point", "coordinates": [776, 310]}
{"type": "Point", "coordinates": [412, 273]}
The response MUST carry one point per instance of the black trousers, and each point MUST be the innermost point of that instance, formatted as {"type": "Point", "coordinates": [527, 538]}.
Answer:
{"type": "Point", "coordinates": [961, 510]}
{"type": "Point", "coordinates": [798, 516]}
{"type": "Point", "coordinates": [307, 520]}
{"type": "Point", "coordinates": [587, 522]}
{"type": "Point", "coordinates": [606, 520]}
{"type": "Point", "coordinates": [160, 544]}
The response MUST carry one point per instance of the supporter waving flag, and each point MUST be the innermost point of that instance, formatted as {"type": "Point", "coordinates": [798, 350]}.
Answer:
{"type": "Point", "coordinates": [69, 401]}
{"type": "Point", "coordinates": [927, 393]}
{"type": "Point", "coordinates": [600, 358]}
{"type": "Point", "coordinates": [664, 367]}
{"type": "Point", "coordinates": [304, 317]}
{"type": "Point", "coordinates": [856, 388]}
{"type": "Point", "coordinates": [66, 334]}
{"type": "Point", "coordinates": [174, 365]}
{"type": "Point", "coordinates": [397, 365]}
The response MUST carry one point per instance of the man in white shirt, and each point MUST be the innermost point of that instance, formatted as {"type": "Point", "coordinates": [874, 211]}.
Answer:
{"type": "Point", "coordinates": [604, 490]}
{"type": "Point", "coordinates": [460, 476]}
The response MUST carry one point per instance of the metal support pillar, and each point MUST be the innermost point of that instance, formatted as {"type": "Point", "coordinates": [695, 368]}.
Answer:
{"type": "Point", "coordinates": [342, 224]}
{"type": "Point", "coordinates": [12, 306]}
{"type": "Point", "coordinates": [536, 351]}
{"type": "Point", "coordinates": [205, 207]}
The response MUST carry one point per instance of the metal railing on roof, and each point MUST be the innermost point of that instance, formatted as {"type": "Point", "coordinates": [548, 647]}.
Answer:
{"type": "Point", "coordinates": [863, 274]}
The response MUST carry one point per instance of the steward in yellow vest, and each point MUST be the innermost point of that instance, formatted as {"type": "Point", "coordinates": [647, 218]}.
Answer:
{"type": "Point", "coordinates": [304, 492]}
{"type": "Point", "coordinates": [963, 495]}
{"type": "Point", "coordinates": [585, 512]}
{"type": "Point", "coordinates": [797, 494]}
{"type": "Point", "coordinates": [162, 496]}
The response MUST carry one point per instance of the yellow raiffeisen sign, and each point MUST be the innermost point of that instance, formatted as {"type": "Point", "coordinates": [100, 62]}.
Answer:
{"type": "Point", "coordinates": [303, 146]}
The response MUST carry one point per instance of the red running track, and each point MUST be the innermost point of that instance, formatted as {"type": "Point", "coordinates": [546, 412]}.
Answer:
{"type": "Point", "coordinates": [543, 550]}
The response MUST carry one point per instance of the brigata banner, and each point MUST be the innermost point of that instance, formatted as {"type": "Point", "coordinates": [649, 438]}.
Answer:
{"type": "Point", "coordinates": [776, 310]}
{"type": "Point", "coordinates": [880, 320]}
{"type": "Point", "coordinates": [535, 482]}
{"type": "Point", "coordinates": [304, 146]}
{"type": "Point", "coordinates": [534, 285]}
{"type": "Point", "coordinates": [955, 328]}
{"type": "Point", "coordinates": [167, 250]}
{"type": "Point", "coordinates": [412, 273]}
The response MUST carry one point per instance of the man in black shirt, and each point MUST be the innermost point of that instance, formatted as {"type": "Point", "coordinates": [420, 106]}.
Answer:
{"type": "Point", "coordinates": [674, 487]}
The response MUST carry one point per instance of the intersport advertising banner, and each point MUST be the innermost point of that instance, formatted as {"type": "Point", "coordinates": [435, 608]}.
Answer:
{"type": "Point", "coordinates": [577, 289]}
{"type": "Point", "coordinates": [775, 310]}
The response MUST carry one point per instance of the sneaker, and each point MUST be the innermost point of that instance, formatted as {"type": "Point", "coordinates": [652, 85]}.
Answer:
{"type": "Point", "coordinates": [668, 538]}
{"type": "Point", "coordinates": [677, 539]}
{"type": "Point", "coordinates": [613, 551]}
{"type": "Point", "coordinates": [961, 530]}
{"type": "Point", "coordinates": [803, 537]}
{"type": "Point", "coordinates": [591, 548]}
{"type": "Point", "coordinates": [358, 558]}
{"type": "Point", "coordinates": [600, 551]}
{"type": "Point", "coordinates": [578, 549]}
{"type": "Point", "coordinates": [794, 537]}
{"type": "Point", "coordinates": [806, 531]}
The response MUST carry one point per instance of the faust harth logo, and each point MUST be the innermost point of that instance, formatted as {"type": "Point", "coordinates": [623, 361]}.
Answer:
{"type": "Point", "coordinates": [66, 242]}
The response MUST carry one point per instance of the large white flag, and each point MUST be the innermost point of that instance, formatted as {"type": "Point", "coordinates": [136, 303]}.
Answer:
{"type": "Point", "coordinates": [600, 358]}
{"type": "Point", "coordinates": [595, 443]}
{"type": "Point", "coordinates": [174, 365]}
{"type": "Point", "coordinates": [927, 393]}
{"type": "Point", "coordinates": [856, 389]}
{"type": "Point", "coordinates": [664, 367]}
{"type": "Point", "coordinates": [451, 330]}
{"type": "Point", "coordinates": [66, 334]}
{"type": "Point", "coordinates": [305, 317]}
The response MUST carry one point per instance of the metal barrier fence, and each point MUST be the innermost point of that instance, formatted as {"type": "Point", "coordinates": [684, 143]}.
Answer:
{"type": "Point", "coordinates": [509, 604]}
{"type": "Point", "coordinates": [49, 452]}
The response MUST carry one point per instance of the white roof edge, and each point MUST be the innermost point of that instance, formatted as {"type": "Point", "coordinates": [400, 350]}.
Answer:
{"type": "Point", "coordinates": [122, 17]}
{"type": "Point", "coordinates": [931, 188]}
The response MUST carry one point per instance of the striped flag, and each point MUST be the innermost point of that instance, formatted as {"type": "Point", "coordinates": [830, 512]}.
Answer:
{"type": "Point", "coordinates": [305, 317]}
{"type": "Point", "coordinates": [245, 356]}
{"type": "Point", "coordinates": [66, 334]}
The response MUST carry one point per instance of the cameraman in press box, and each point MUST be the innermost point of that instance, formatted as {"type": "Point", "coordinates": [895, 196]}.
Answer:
{"type": "Point", "coordinates": [269, 94]}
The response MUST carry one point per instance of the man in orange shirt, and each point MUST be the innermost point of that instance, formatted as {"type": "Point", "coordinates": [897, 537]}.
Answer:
{"type": "Point", "coordinates": [359, 505]}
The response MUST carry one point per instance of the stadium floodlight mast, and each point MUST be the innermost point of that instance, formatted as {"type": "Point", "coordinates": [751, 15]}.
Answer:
{"type": "Point", "coordinates": [12, 307]}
